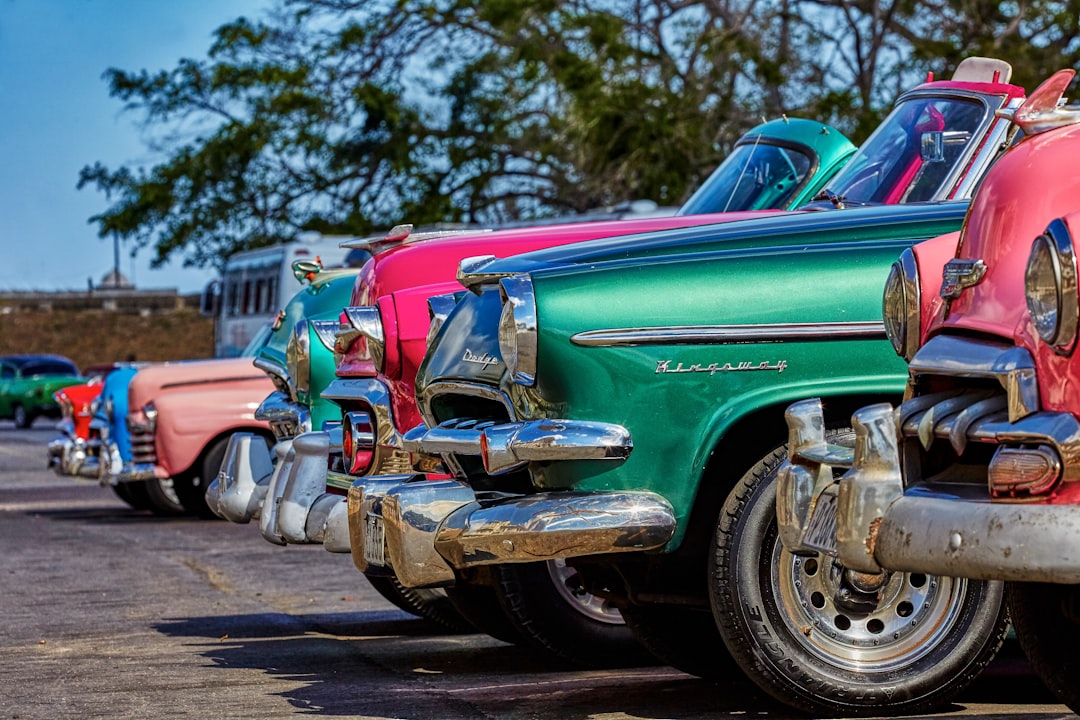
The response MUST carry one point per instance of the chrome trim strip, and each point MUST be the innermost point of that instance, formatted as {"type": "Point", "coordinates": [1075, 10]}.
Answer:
{"type": "Point", "coordinates": [1011, 366]}
{"type": "Point", "coordinates": [730, 334]}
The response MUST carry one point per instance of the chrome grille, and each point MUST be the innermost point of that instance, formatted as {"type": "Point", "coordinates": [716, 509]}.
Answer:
{"type": "Point", "coordinates": [142, 441]}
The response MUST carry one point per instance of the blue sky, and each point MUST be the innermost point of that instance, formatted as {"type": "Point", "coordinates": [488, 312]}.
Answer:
{"type": "Point", "coordinates": [56, 116]}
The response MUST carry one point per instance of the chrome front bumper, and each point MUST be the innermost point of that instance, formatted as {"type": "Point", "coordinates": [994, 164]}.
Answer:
{"type": "Point", "coordinates": [950, 529]}
{"type": "Point", "coordinates": [287, 418]}
{"type": "Point", "coordinates": [508, 446]}
{"type": "Point", "coordinates": [112, 469]}
{"type": "Point", "coordinates": [424, 530]}
{"type": "Point", "coordinates": [74, 457]}
{"type": "Point", "coordinates": [286, 494]}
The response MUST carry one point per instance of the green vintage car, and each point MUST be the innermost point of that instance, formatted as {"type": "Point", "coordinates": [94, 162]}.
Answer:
{"type": "Point", "coordinates": [614, 406]}
{"type": "Point", "coordinates": [27, 384]}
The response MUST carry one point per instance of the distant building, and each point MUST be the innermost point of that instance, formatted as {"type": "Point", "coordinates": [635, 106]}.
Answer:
{"type": "Point", "coordinates": [115, 280]}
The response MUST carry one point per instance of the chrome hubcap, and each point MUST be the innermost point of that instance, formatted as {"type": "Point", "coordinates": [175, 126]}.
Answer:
{"type": "Point", "coordinates": [890, 623]}
{"type": "Point", "coordinates": [568, 585]}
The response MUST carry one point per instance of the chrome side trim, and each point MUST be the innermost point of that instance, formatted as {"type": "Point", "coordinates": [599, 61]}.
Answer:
{"type": "Point", "coordinates": [730, 334]}
{"type": "Point", "coordinates": [1011, 366]}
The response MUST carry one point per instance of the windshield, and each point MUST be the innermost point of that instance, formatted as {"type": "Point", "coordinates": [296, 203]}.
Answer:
{"type": "Point", "coordinates": [258, 341]}
{"type": "Point", "coordinates": [755, 176]}
{"type": "Point", "coordinates": [913, 152]}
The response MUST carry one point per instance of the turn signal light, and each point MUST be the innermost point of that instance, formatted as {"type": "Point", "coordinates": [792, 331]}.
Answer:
{"type": "Point", "coordinates": [1021, 472]}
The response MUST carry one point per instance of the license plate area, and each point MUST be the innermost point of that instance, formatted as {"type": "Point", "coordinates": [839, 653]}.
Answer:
{"type": "Point", "coordinates": [820, 532]}
{"type": "Point", "coordinates": [374, 541]}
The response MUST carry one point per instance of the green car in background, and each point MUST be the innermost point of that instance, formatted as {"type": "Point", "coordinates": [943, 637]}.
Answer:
{"type": "Point", "coordinates": [27, 384]}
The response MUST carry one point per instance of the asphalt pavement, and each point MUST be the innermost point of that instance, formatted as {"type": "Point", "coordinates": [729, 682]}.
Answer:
{"type": "Point", "coordinates": [108, 612]}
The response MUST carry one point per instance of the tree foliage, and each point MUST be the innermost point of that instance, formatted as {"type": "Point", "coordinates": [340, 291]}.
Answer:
{"type": "Point", "coordinates": [348, 116]}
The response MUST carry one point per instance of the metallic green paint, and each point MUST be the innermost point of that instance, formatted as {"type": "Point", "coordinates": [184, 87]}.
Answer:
{"type": "Point", "coordinates": [798, 268]}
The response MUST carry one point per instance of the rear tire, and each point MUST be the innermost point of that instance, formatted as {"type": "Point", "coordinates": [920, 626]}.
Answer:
{"type": "Point", "coordinates": [1047, 621]}
{"type": "Point", "coordinates": [480, 606]}
{"type": "Point", "coordinates": [431, 604]}
{"type": "Point", "coordinates": [161, 496]}
{"type": "Point", "coordinates": [809, 638]}
{"type": "Point", "coordinates": [685, 638]}
{"type": "Point", "coordinates": [22, 418]}
{"type": "Point", "coordinates": [548, 606]}
{"type": "Point", "coordinates": [133, 493]}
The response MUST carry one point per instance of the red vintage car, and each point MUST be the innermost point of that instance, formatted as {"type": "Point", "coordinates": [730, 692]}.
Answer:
{"type": "Point", "coordinates": [977, 473]}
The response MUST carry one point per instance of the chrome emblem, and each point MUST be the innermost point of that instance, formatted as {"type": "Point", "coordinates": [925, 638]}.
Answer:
{"type": "Point", "coordinates": [485, 359]}
{"type": "Point", "coordinates": [278, 320]}
{"type": "Point", "coordinates": [663, 367]}
{"type": "Point", "coordinates": [960, 274]}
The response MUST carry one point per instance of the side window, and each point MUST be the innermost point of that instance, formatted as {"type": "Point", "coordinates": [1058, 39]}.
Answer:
{"type": "Point", "coordinates": [246, 302]}
{"type": "Point", "coordinates": [232, 305]}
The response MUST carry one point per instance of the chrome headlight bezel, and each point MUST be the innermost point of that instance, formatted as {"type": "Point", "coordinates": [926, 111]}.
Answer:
{"type": "Point", "coordinates": [439, 308]}
{"type": "Point", "coordinates": [298, 359]}
{"type": "Point", "coordinates": [901, 304]}
{"type": "Point", "coordinates": [361, 321]}
{"type": "Point", "coordinates": [518, 328]}
{"type": "Point", "coordinates": [1050, 288]}
{"type": "Point", "coordinates": [326, 331]}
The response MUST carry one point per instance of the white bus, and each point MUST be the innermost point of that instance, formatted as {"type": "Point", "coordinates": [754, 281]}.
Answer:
{"type": "Point", "coordinates": [256, 284]}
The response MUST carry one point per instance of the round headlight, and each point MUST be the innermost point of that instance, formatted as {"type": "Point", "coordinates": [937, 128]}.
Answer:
{"type": "Point", "coordinates": [900, 305]}
{"type": "Point", "coordinates": [1050, 288]}
{"type": "Point", "coordinates": [517, 328]}
{"type": "Point", "coordinates": [298, 359]}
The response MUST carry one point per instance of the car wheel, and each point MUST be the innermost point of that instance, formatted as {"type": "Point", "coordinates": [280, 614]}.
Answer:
{"type": "Point", "coordinates": [191, 486]}
{"type": "Point", "coordinates": [829, 642]}
{"type": "Point", "coordinates": [1047, 621]}
{"type": "Point", "coordinates": [480, 606]}
{"type": "Point", "coordinates": [683, 637]}
{"type": "Point", "coordinates": [133, 493]}
{"type": "Point", "coordinates": [22, 418]}
{"type": "Point", "coordinates": [431, 604]}
{"type": "Point", "coordinates": [161, 494]}
{"type": "Point", "coordinates": [553, 612]}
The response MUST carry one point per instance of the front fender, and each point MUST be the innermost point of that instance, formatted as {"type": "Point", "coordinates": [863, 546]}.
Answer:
{"type": "Point", "coordinates": [188, 422]}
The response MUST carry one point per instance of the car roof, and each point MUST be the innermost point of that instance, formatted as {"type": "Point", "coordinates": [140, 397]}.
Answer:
{"type": "Point", "coordinates": [22, 360]}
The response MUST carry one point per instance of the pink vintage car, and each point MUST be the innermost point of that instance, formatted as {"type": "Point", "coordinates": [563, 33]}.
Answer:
{"type": "Point", "coordinates": [977, 473]}
{"type": "Point", "coordinates": [179, 419]}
